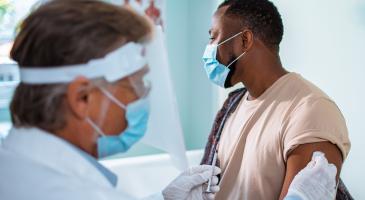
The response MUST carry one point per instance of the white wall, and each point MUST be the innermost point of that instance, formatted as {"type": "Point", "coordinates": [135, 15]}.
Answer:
{"type": "Point", "coordinates": [188, 22]}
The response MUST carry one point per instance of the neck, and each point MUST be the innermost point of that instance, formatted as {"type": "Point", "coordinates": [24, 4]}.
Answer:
{"type": "Point", "coordinates": [81, 136]}
{"type": "Point", "coordinates": [262, 74]}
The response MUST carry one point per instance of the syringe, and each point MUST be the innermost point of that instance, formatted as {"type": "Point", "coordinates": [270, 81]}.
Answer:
{"type": "Point", "coordinates": [214, 162]}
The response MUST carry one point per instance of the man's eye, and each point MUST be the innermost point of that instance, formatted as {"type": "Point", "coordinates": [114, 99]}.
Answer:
{"type": "Point", "coordinates": [211, 38]}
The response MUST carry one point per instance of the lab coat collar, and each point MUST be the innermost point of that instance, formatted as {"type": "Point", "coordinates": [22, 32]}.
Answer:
{"type": "Point", "coordinates": [53, 152]}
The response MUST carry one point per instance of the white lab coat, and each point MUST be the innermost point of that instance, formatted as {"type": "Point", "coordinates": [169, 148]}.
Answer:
{"type": "Point", "coordinates": [36, 165]}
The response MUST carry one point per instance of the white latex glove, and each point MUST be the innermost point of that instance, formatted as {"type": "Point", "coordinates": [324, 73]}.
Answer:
{"type": "Point", "coordinates": [189, 185]}
{"type": "Point", "coordinates": [317, 181]}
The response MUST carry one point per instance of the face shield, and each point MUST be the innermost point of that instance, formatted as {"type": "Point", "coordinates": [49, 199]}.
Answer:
{"type": "Point", "coordinates": [140, 82]}
{"type": "Point", "coordinates": [133, 62]}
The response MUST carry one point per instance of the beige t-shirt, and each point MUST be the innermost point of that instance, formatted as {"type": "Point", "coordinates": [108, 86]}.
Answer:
{"type": "Point", "coordinates": [291, 112]}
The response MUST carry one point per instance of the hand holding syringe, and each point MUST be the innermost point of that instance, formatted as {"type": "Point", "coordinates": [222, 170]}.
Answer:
{"type": "Point", "coordinates": [214, 162]}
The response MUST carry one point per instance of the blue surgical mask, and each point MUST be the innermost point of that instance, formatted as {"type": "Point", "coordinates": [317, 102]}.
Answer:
{"type": "Point", "coordinates": [137, 114]}
{"type": "Point", "coordinates": [216, 71]}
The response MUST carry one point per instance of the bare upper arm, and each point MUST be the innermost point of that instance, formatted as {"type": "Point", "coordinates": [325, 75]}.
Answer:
{"type": "Point", "coordinates": [300, 157]}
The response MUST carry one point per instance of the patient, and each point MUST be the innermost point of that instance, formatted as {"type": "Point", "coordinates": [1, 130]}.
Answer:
{"type": "Point", "coordinates": [278, 120]}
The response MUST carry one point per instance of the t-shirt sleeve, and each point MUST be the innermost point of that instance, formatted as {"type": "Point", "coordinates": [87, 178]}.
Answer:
{"type": "Point", "coordinates": [316, 120]}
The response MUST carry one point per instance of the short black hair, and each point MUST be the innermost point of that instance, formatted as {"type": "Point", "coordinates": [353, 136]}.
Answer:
{"type": "Point", "coordinates": [260, 16]}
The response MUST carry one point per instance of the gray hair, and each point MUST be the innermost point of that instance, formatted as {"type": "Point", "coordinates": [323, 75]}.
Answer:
{"type": "Point", "coordinates": [42, 105]}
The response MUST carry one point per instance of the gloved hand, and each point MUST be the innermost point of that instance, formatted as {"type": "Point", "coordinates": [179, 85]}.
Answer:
{"type": "Point", "coordinates": [317, 181]}
{"type": "Point", "coordinates": [189, 185]}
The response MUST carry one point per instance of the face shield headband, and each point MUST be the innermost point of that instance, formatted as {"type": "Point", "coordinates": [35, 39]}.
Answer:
{"type": "Point", "coordinates": [116, 65]}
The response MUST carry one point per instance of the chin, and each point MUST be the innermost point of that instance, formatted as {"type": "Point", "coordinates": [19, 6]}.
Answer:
{"type": "Point", "coordinates": [236, 85]}
{"type": "Point", "coordinates": [230, 83]}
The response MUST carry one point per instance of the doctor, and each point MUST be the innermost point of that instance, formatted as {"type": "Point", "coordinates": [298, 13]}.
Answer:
{"type": "Point", "coordinates": [83, 95]}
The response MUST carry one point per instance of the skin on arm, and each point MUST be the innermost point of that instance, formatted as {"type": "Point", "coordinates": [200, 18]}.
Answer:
{"type": "Point", "coordinates": [302, 155]}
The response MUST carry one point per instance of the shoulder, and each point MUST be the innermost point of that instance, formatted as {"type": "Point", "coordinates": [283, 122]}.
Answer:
{"type": "Point", "coordinates": [307, 97]}
{"type": "Point", "coordinates": [319, 106]}
{"type": "Point", "coordinates": [305, 88]}
{"type": "Point", "coordinates": [320, 111]}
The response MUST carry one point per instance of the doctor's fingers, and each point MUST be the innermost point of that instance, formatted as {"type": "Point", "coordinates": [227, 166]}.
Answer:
{"type": "Point", "coordinates": [320, 159]}
{"type": "Point", "coordinates": [321, 165]}
{"type": "Point", "coordinates": [209, 196]}
{"type": "Point", "coordinates": [214, 189]}
{"type": "Point", "coordinates": [199, 179]}
{"type": "Point", "coordinates": [214, 181]}
{"type": "Point", "coordinates": [320, 162]}
{"type": "Point", "coordinates": [323, 173]}
{"type": "Point", "coordinates": [202, 169]}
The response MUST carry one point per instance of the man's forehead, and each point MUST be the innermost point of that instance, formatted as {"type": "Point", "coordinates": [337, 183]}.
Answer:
{"type": "Point", "coordinates": [221, 21]}
{"type": "Point", "coordinates": [218, 15]}
{"type": "Point", "coordinates": [220, 11]}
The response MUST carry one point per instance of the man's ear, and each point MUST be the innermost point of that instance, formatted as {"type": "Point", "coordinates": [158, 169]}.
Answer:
{"type": "Point", "coordinates": [247, 39]}
{"type": "Point", "coordinates": [78, 97]}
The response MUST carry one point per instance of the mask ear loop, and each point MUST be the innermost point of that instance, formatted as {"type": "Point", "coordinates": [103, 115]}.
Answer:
{"type": "Point", "coordinates": [104, 110]}
{"type": "Point", "coordinates": [112, 98]}
{"type": "Point", "coordinates": [95, 127]}
{"type": "Point", "coordinates": [105, 104]}
{"type": "Point", "coordinates": [236, 59]}
{"type": "Point", "coordinates": [230, 38]}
